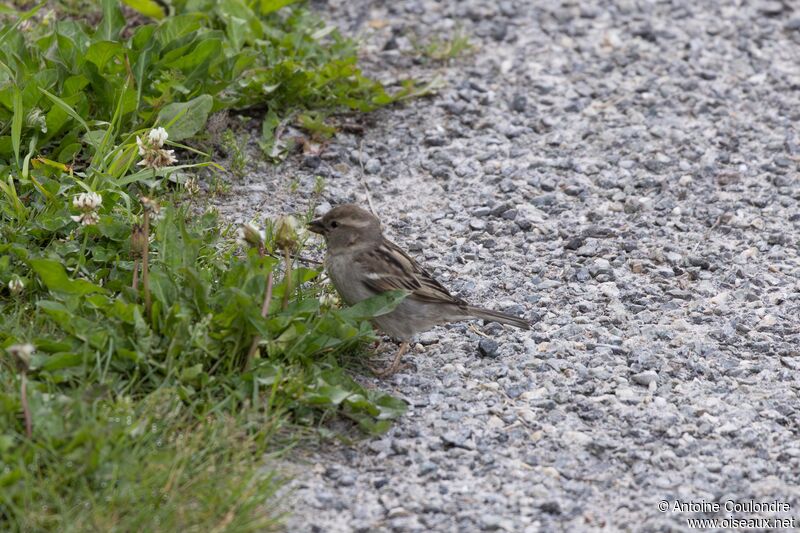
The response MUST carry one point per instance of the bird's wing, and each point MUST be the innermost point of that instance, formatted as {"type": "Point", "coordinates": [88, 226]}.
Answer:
{"type": "Point", "coordinates": [389, 268]}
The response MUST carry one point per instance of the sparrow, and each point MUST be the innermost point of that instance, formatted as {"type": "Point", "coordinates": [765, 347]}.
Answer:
{"type": "Point", "coordinates": [362, 263]}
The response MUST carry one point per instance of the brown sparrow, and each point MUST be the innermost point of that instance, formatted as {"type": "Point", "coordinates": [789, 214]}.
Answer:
{"type": "Point", "coordinates": [362, 263]}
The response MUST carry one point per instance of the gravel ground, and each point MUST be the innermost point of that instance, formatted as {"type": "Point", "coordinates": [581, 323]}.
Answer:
{"type": "Point", "coordinates": [625, 175]}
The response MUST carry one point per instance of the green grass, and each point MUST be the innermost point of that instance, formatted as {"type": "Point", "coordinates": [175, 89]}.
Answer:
{"type": "Point", "coordinates": [443, 50]}
{"type": "Point", "coordinates": [152, 395]}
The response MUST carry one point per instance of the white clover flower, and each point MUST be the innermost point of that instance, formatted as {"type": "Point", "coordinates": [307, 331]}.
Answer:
{"type": "Point", "coordinates": [141, 145]}
{"type": "Point", "coordinates": [158, 158]}
{"type": "Point", "coordinates": [89, 218]}
{"type": "Point", "coordinates": [327, 299]}
{"type": "Point", "coordinates": [192, 186]}
{"type": "Point", "coordinates": [152, 151]}
{"type": "Point", "coordinates": [87, 201]}
{"type": "Point", "coordinates": [250, 235]}
{"type": "Point", "coordinates": [157, 137]}
{"type": "Point", "coordinates": [15, 286]}
{"type": "Point", "coordinates": [36, 119]}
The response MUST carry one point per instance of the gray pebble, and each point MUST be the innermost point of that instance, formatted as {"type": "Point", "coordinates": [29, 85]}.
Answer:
{"type": "Point", "coordinates": [373, 166]}
{"type": "Point", "coordinates": [488, 348]}
{"type": "Point", "coordinates": [645, 378]}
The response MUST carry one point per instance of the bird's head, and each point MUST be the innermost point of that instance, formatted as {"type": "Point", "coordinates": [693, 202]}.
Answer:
{"type": "Point", "coordinates": [347, 225]}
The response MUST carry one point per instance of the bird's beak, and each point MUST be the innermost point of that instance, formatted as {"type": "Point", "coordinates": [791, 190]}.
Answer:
{"type": "Point", "coordinates": [316, 226]}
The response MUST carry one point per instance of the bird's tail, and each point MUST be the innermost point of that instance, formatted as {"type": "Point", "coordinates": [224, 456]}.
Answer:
{"type": "Point", "coordinates": [497, 316]}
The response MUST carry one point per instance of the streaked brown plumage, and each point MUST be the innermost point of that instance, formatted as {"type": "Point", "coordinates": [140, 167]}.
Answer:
{"type": "Point", "coordinates": [362, 263]}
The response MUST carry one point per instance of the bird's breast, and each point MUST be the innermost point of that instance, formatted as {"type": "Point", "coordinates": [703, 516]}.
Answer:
{"type": "Point", "coordinates": [346, 276]}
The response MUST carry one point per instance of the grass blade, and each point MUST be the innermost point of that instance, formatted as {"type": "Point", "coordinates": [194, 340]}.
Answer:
{"type": "Point", "coordinates": [16, 124]}
{"type": "Point", "coordinates": [66, 108]}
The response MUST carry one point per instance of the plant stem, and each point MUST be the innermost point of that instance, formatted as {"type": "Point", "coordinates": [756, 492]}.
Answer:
{"type": "Point", "coordinates": [82, 254]}
{"type": "Point", "coordinates": [26, 411]}
{"type": "Point", "coordinates": [135, 284]}
{"type": "Point", "coordinates": [287, 258]}
{"type": "Point", "coordinates": [145, 265]}
{"type": "Point", "coordinates": [264, 313]}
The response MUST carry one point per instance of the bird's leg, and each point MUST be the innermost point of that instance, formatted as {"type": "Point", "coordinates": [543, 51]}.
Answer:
{"type": "Point", "coordinates": [395, 366]}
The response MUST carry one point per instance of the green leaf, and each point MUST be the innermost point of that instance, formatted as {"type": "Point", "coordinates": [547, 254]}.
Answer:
{"type": "Point", "coordinates": [16, 123]}
{"type": "Point", "coordinates": [375, 306]}
{"type": "Point", "coordinates": [101, 52]}
{"type": "Point", "coordinates": [66, 108]}
{"type": "Point", "coordinates": [57, 361]}
{"type": "Point", "coordinates": [112, 22]}
{"type": "Point", "coordinates": [329, 394]}
{"type": "Point", "coordinates": [191, 373]}
{"type": "Point", "coordinates": [269, 6]}
{"type": "Point", "coordinates": [148, 8]}
{"type": "Point", "coordinates": [390, 407]}
{"type": "Point", "coordinates": [54, 276]}
{"type": "Point", "coordinates": [184, 119]}
{"type": "Point", "coordinates": [209, 48]}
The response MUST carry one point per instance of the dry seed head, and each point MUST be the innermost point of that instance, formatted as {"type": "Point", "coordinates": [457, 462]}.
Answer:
{"type": "Point", "coordinates": [248, 235]}
{"type": "Point", "coordinates": [287, 233]}
{"type": "Point", "coordinates": [138, 240]}
{"type": "Point", "coordinates": [21, 354]}
{"type": "Point", "coordinates": [149, 205]}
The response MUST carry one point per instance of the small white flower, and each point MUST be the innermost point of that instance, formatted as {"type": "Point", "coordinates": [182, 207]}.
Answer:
{"type": "Point", "coordinates": [327, 299]}
{"type": "Point", "coordinates": [15, 286]}
{"type": "Point", "coordinates": [141, 145]}
{"type": "Point", "coordinates": [87, 201]}
{"type": "Point", "coordinates": [192, 186]}
{"type": "Point", "coordinates": [87, 219]}
{"type": "Point", "coordinates": [36, 119]}
{"type": "Point", "coordinates": [152, 151]}
{"type": "Point", "coordinates": [93, 200]}
{"type": "Point", "coordinates": [157, 137]}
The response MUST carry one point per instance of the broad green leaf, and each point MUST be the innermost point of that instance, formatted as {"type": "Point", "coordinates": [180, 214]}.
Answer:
{"type": "Point", "coordinates": [269, 6]}
{"type": "Point", "coordinates": [54, 276]}
{"type": "Point", "coordinates": [176, 27]}
{"type": "Point", "coordinates": [329, 394]}
{"type": "Point", "coordinates": [184, 119]}
{"type": "Point", "coordinates": [390, 406]}
{"type": "Point", "coordinates": [58, 312]}
{"type": "Point", "coordinates": [112, 22]}
{"type": "Point", "coordinates": [202, 52]}
{"type": "Point", "coordinates": [57, 361]}
{"type": "Point", "coordinates": [148, 8]}
{"type": "Point", "coordinates": [101, 52]}
{"type": "Point", "coordinates": [191, 373]}
{"type": "Point", "coordinates": [375, 306]}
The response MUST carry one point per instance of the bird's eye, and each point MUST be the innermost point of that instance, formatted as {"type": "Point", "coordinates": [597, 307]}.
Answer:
{"type": "Point", "coordinates": [334, 224]}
